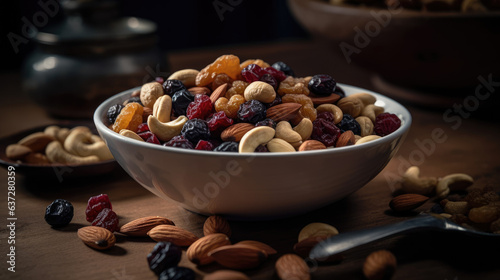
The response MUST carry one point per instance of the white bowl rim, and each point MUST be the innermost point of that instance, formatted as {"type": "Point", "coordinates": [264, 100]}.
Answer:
{"type": "Point", "coordinates": [351, 9]}
{"type": "Point", "coordinates": [103, 107]}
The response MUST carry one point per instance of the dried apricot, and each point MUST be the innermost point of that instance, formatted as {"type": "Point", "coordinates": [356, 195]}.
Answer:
{"type": "Point", "coordinates": [228, 64]}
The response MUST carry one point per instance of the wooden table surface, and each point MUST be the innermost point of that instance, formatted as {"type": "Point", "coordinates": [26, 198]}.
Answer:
{"type": "Point", "coordinates": [471, 146]}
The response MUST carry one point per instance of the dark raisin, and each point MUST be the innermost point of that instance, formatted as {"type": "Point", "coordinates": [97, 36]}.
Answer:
{"type": "Point", "coordinates": [437, 208]}
{"type": "Point", "coordinates": [283, 67]}
{"type": "Point", "coordinates": [267, 78]}
{"type": "Point", "coordinates": [267, 122]}
{"type": "Point", "coordinates": [177, 273]}
{"type": "Point", "coordinates": [59, 213]}
{"type": "Point", "coordinates": [195, 130]}
{"type": "Point", "coordinates": [95, 205]}
{"type": "Point", "coordinates": [135, 99]}
{"type": "Point", "coordinates": [172, 86]}
{"type": "Point", "coordinates": [252, 111]}
{"type": "Point", "coordinates": [163, 256]}
{"type": "Point", "coordinates": [113, 112]}
{"type": "Point", "coordinates": [277, 100]}
{"type": "Point", "coordinates": [338, 90]}
{"type": "Point", "coordinates": [227, 147]}
{"type": "Point", "coordinates": [180, 101]}
{"type": "Point", "coordinates": [326, 132]}
{"type": "Point", "coordinates": [349, 123]}
{"type": "Point", "coordinates": [277, 74]}
{"type": "Point", "coordinates": [322, 85]}
{"type": "Point", "coordinates": [261, 149]}
{"type": "Point", "coordinates": [179, 142]}
{"type": "Point", "coordinates": [328, 116]}
{"type": "Point", "coordinates": [107, 219]}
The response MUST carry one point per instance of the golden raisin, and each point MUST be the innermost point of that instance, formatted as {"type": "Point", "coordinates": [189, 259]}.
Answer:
{"type": "Point", "coordinates": [228, 64]}
{"type": "Point", "coordinates": [483, 214]}
{"type": "Point", "coordinates": [238, 87]}
{"type": "Point", "coordinates": [221, 79]}
{"type": "Point", "coordinates": [126, 115]}
{"type": "Point", "coordinates": [292, 85]}
{"type": "Point", "coordinates": [259, 62]}
{"type": "Point", "coordinates": [231, 106]}
{"type": "Point", "coordinates": [307, 110]}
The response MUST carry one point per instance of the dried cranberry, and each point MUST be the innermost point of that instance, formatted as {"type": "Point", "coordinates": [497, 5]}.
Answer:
{"type": "Point", "coordinates": [145, 135]}
{"type": "Point", "coordinates": [180, 101]}
{"type": "Point", "coordinates": [142, 128]}
{"type": "Point", "coordinates": [179, 142]}
{"type": "Point", "coordinates": [200, 108]}
{"type": "Point", "coordinates": [277, 74]}
{"type": "Point", "coordinates": [163, 256]}
{"type": "Point", "coordinates": [252, 73]}
{"type": "Point", "coordinates": [153, 139]}
{"type": "Point", "coordinates": [267, 122]}
{"type": "Point", "coordinates": [386, 123]}
{"type": "Point", "coordinates": [322, 84]}
{"type": "Point", "coordinates": [107, 219]}
{"type": "Point", "coordinates": [218, 121]}
{"type": "Point", "coordinates": [349, 123]}
{"type": "Point", "coordinates": [227, 147]}
{"type": "Point", "coordinates": [276, 101]}
{"type": "Point", "coordinates": [95, 205]}
{"type": "Point", "coordinates": [113, 112]}
{"type": "Point", "coordinates": [204, 145]}
{"type": "Point", "coordinates": [172, 86]}
{"type": "Point", "coordinates": [326, 132]}
{"type": "Point", "coordinates": [59, 213]}
{"type": "Point", "coordinates": [195, 130]}
{"type": "Point", "coordinates": [160, 80]}
{"type": "Point", "coordinates": [283, 67]}
{"type": "Point", "coordinates": [177, 273]}
{"type": "Point", "coordinates": [268, 78]}
{"type": "Point", "coordinates": [328, 116]}
{"type": "Point", "coordinates": [252, 111]}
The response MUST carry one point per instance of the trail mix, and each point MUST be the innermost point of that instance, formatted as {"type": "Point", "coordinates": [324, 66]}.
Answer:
{"type": "Point", "coordinates": [249, 107]}
{"type": "Point", "coordinates": [426, 5]}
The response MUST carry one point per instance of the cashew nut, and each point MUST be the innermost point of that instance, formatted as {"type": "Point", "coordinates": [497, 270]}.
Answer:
{"type": "Point", "coordinates": [351, 105]}
{"type": "Point", "coordinates": [162, 109]}
{"type": "Point", "coordinates": [372, 111]}
{"type": "Point", "coordinates": [338, 115]}
{"type": "Point", "coordinates": [186, 76]}
{"type": "Point", "coordinates": [284, 131]}
{"type": "Point", "coordinates": [255, 137]}
{"type": "Point", "coordinates": [81, 143]}
{"type": "Point", "coordinates": [17, 151]}
{"type": "Point", "coordinates": [304, 128]}
{"type": "Point", "coordinates": [130, 134]}
{"type": "Point", "coordinates": [456, 181]}
{"type": "Point", "coordinates": [260, 91]}
{"type": "Point", "coordinates": [166, 131]}
{"type": "Point", "coordinates": [278, 145]}
{"type": "Point", "coordinates": [150, 92]}
{"type": "Point", "coordinates": [56, 153]}
{"type": "Point", "coordinates": [366, 125]}
{"type": "Point", "coordinates": [412, 183]}
{"type": "Point", "coordinates": [365, 98]}
{"type": "Point", "coordinates": [317, 229]}
{"type": "Point", "coordinates": [36, 141]}
{"type": "Point", "coordinates": [366, 139]}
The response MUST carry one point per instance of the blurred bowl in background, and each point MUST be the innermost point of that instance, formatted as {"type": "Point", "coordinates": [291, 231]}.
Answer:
{"type": "Point", "coordinates": [441, 53]}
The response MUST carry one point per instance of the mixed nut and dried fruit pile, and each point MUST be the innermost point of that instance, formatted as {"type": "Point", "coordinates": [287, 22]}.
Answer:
{"type": "Point", "coordinates": [249, 107]}
{"type": "Point", "coordinates": [60, 145]}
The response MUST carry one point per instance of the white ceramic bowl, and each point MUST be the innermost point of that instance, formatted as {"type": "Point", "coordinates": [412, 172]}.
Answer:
{"type": "Point", "coordinates": [258, 185]}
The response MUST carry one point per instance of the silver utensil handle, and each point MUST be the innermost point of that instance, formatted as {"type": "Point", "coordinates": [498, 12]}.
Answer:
{"type": "Point", "coordinates": [345, 241]}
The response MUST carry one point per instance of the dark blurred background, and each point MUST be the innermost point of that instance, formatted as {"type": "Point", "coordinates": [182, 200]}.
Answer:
{"type": "Point", "coordinates": [182, 25]}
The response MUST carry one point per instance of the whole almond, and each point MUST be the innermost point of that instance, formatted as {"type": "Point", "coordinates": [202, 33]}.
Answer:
{"type": "Point", "coordinates": [238, 256]}
{"type": "Point", "coordinates": [379, 265]}
{"type": "Point", "coordinates": [225, 274]}
{"type": "Point", "coordinates": [198, 251]}
{"type": "Point", "coordinates": [407, 202]}
{"type": "Point", "coordinates": [141, 226]}
{"type": "Point", "coordinates": [291, 266]}
{"type": "Point", "coordinates": [173, 234]}
{"type": "Point", "coordinates": [283, 112]}
{"type": "Point", "coordinates": [310, 145]}
{"type": "Point", "coordinates": [218, 92]}
{"type": "Point", "coordinates": [236, 131]}
{"type": "Point", "coordinates": [36, 141]}
{"type": "Point", "coordinates": [17, 151]}
{"type": "Point", "coordinates": [97, 237]}
{"type": "Point", "coordinates": [346, 139]}
{"type": "Point", "coordinates": [304, 247]}
{"type": "Point", "coordinates": [263, 246]}
{"type": "Point", "coordinates": [216, 224]}
{"type": "Point", "coordinates": [330, 99]}
{"type": "Point", "coordinates": [199, 90]}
